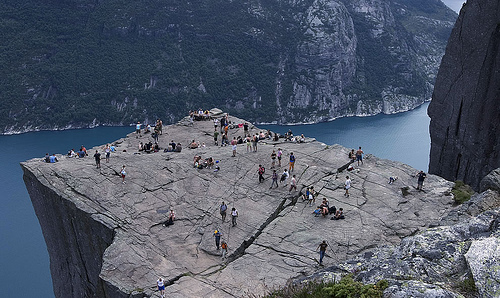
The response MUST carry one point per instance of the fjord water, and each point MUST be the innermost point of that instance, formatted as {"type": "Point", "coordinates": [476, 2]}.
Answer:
{"type": "Point", "coordinates": [24, 261]}
{"type": "Point", "coordinates": [402, 137]}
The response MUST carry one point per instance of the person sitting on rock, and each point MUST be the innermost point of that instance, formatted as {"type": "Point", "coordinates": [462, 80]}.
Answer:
{"type": "Point", "coordinates": [178, 147]}
{"type": "Point", "coordinates": [209, 162]}
{"type": "Point", "coordinates": [47, 158]}
{"type": "Point", "coordinates": [324, 207]}
{"type": "Point", "coordinates": [339, 214]}
{"type": "Point", "coordinates": [193, 145]}
{"type": "Point", "coordinates": [317, 211]}
{"type": "Point", "coordinates": [196, 161]}
{"type": "Point", "coordinates": [305, 196]}
{"type": "Point", "coordinates": [172, 144]}
{"type": "Point", "coordinates": [171, 218]}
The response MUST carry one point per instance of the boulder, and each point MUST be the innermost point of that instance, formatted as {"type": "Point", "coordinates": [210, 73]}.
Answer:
{"type": "Point", "coordinates": [491, 181]}
{"type": "Point", "coordinates": [482, 258]}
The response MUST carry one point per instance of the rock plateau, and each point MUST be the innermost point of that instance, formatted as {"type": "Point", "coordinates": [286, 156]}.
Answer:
{"type": "Point", "coordinates": [106, 238]}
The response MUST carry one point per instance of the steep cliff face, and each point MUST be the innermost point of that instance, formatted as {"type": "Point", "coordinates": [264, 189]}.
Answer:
{"type": "Point", "coordinates": [76, 239]}
{"type": "Point", "coordinates": [465, 110]}
{"type": "Point", "coordinates": [84, 63]}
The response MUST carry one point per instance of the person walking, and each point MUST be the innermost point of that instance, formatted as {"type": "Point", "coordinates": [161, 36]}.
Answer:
{"type": "Point", "coordinates": [359, 155]}
{"type": "Point", "coordinates": [347, 186]}
{"type": "Point", "coordinates": [293, 184]}
{"type": "Point", "coordinates": [123, 174]}
{"type": "Point", "coordinates": [224, 250]}
{"type": "Point", "coordinates": [217, 235]}
{"type": "Point", "coordinates": [284, 177]}
{"type": "Point", "coordinates": [420, 181]}
{"type": "Point", "coordinates": [292, 162]}
{"type": "Point", "coordinates": [223, 210]}
{"type": "Point", "coordinates": [234, 215]}
{"type": "Point", "coordinates": [275, 179]}
{"type": "Point", "coordinates": [261, 172]}
{"type": "Point", "coordinates": [161, 287]}
{"type": "Point", "coordinates": [322, 250]}
{"type": "Point", "coordinates": [97, 157]}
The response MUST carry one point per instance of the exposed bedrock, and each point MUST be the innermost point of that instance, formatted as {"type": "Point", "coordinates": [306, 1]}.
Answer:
{"type": "Point", "coordinates": [106, 238]}
{"type": "Point", "coordinates": [465, 122]}
{"type": "Point", "coordinates": [439, 262]}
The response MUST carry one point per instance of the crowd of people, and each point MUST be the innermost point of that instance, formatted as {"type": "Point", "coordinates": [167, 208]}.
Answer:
{"type": "Point", "coordinates": [280, 175]}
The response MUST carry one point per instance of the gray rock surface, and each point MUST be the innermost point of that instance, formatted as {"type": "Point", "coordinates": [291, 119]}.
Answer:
{"type": "Point", "coordinates": [482, 258]}
{"type": "Point", "coordinates": [108, 239]}
{"type": "Point", "coordinates": [433, 263]}
{"type": "Point", "coordinates": [465, 126]}
{"type": "Point", "coordinates": [491, 181]}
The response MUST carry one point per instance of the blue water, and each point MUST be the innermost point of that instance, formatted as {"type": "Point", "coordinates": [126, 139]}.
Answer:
{"type": "Point", "coordinates": [402, 137]}
{"type": "Point", "coordinates": [24, 261]}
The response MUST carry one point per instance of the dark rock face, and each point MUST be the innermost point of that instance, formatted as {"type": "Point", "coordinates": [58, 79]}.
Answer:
{"type": "Point", "coordinates": [465, 107]}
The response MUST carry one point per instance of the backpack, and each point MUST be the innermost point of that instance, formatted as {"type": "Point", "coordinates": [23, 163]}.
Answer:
{"type": "Point", "coordinates": [224, 245]}
{"type": "Point", "coordinates": [262, 170]}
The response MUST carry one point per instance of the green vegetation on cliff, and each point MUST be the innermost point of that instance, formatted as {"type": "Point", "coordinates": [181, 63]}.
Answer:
{"type": "Point", "coordinates": [73, 63]}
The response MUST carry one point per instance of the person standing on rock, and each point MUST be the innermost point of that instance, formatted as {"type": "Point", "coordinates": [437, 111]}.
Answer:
{"type": "Point", "coordinates": [138, 129]}
{"type": "Point", "coordinates": [234, 215]}
{"type": "Point", "coordinates": [322, 250]}
{"type": "Point", "coordinates": [420, 182]}
{"type": "Point", "coordinates": [292, 162]}
{"type": "Point", "coordinates": [293, 184]}
{"type": "Point", "coordinates": [255, 140]}
{"type": "Point", "coordinates": [273, 159]}
{"type": "Point", "coordinates": [97, 157]}
{"type": "Point", "coordinates": [216, 137]}
{"type": "Point", "coordinates": [223, 210]}
{"type": "Point", "coordinates": [347, 185]}
{"type": "Point", "coordinates": [161, 287]}
{"type": "Point", "coordinates": [217, 235]}
{"type": "Point", "coordinates": [279, 154]}
{"type": "Point", "coordinates": [234, 144]}
{"type": "Point", "coordinates": [107, 150]}
{"type": "Point", "coordinates": [123, 174]}
{"type": "Point", "coordinates": [359, 155]}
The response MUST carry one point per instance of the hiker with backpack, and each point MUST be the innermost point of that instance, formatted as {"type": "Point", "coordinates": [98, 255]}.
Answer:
{"type": "Point", "coordinates": [224, 249]}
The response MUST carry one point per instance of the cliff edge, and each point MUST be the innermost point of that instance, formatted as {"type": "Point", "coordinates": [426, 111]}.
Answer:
{"type": "Point", "coordinates": [464, 111]}
{"type": "Point", "coordinates": [107, 239]}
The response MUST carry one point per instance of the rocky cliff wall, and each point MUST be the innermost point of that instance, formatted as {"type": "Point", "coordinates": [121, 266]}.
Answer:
{"type": "Point", "coordinates": [76, 239]}
{"type": "Point", "coordinates": [106, 238]}
{"type": "Point", "coordinates": [465, 110]}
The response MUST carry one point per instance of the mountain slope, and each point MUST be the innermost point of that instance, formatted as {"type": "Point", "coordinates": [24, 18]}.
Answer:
{"type": "Point", "coordinates": [78, 63]}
